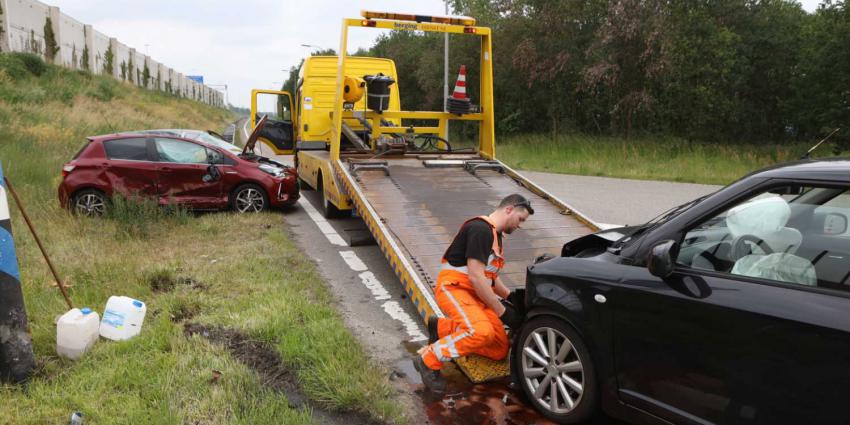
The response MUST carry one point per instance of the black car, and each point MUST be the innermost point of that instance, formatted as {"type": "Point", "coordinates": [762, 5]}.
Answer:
{"type": "Point", "coordinates": [733, 308]}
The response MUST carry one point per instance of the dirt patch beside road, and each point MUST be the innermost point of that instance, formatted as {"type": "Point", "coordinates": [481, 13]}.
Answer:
{"type": "Point", "coordinates": [267, 363]}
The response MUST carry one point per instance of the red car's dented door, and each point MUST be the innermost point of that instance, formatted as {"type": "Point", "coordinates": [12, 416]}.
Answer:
{"type": "Point", "coordinates": [181, 172]}
{"type": "Point", "coordinates": [128, 168]}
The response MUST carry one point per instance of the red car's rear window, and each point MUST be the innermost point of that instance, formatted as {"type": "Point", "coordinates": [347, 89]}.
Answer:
{"type": "Point", "coordinates": [129, 149]}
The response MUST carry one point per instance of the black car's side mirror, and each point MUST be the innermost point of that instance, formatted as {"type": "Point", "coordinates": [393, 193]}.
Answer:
{"type": "Point", "coordinates": [212, 174]}
{"type": "Point", "coordinates": [662, 258]}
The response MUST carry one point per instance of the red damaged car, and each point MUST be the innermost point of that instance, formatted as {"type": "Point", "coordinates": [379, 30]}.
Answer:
{"type": "Point", "coordinates": [175, 170]}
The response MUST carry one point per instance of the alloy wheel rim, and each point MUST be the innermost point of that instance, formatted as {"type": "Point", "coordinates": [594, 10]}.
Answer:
{"type": "Point", "coordinates": [249, 200]}
{"type": "Point", "coordinates": [90, 204]}
{"type": "Point", "coordinates": [552, 370]}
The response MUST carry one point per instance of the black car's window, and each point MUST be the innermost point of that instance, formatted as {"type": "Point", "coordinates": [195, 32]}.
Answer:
{"type": "Point", "coordinates": [796, 235]}
{"type": "Point", "coordinates": [179, 151]}
{"type": "Point", "coordinates": [127, 149]}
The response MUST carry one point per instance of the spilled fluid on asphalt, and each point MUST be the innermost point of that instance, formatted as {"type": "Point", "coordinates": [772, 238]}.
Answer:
{"type": "Point", "coordinates": [496, 402]}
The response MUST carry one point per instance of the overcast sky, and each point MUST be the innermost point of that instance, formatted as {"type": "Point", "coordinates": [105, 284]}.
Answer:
{"type": "Point", "coordinates": [246, 44]}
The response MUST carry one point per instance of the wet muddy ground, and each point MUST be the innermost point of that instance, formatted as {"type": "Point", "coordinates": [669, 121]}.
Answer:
{"type": "Point", "coordinates": [497, 402]}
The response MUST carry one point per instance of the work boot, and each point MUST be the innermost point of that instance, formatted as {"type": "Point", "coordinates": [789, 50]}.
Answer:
{"type": "Point", "coordinates": [433, 333]}
{"type": "Point", "coordinates": [432, 379]}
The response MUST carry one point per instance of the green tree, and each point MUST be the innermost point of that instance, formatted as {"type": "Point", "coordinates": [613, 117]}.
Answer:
{"type": "Point", "coordinates": [822, 84]}
{"type": "Point", "coordinates": [108, 62]}
{"type": "Point", "coordinates": [146, 75]}
{"type": "Point", "coordinates": [51, 48]}
{"type": "Point", "coordinates": [628, 59]}
{"type": "Point", "coordinates": [85, 58]}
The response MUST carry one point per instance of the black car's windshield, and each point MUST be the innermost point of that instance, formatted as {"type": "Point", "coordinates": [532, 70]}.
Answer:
{"type": "Point", "coordinates": [657, 220]}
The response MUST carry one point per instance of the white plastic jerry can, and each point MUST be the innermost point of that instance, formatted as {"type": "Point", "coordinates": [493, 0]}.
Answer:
{"type": "Point", "coordinates": [122, 318]}
{"type": "Point", "coordinates": [76, 332]}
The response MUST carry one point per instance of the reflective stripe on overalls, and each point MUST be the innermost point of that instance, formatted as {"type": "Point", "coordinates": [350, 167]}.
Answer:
{"type": "Point", "coordinates": [471, 327]}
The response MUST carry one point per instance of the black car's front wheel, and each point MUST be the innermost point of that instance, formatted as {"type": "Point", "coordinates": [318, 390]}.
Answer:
{"type": "Point", "coordinates": [555, 371]}
{"type": "Point", "coordinates": [249, 198]}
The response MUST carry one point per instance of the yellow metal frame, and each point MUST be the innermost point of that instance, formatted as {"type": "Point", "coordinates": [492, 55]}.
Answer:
{"type": "Point", "coordinates": [479, 369]}
{"type": "Point", "coordinates": [486, 133]}
{"type": "Point", "coordinates": [292, 116]}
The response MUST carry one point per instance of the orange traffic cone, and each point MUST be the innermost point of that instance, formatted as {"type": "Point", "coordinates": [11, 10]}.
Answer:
{"type": "Point", "coordinates": [460, 85]}
{"type": "Point", "coordinates": [458, 103]}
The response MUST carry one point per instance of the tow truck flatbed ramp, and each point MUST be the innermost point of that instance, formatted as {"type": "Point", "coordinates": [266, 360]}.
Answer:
{"type": "Point", "coordinates": [414, 211]}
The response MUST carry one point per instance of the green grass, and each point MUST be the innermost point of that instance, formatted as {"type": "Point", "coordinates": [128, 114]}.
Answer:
{"type": "Point", "coordinates": [644, 158]}
{"type": "Point", "coordinates": [250, 277]}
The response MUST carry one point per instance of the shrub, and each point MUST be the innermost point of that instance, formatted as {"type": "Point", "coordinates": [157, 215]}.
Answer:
{"type": "Point", "coordinates": [12, 66]}
{"type": "Point", "coordinates": [103, 90]}
{"type": "Point", "coordinates": [33, 63]}
{"type": "Point", "coordinates": [22, 65]}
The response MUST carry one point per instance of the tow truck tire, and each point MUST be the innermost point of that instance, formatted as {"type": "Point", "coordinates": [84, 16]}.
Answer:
{"type": "Point", "coordinates": [574, 373]}
{"type": "Point", "coordinates": [329, 210]}
{"type": "Point", "coordinates": [304, 185]}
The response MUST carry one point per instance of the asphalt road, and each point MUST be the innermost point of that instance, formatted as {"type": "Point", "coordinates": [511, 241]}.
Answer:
{"type": "Point", "coordinates": [618, 201]}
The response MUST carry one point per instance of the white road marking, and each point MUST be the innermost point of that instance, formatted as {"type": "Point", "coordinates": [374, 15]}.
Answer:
{"type": "Point", "coordinates": [333, 237]}
{"type": "Point", "coordinates": [353, 261]}
{"type": "Point", "coordinates": [392, 308]}
{"type": "Point", "coordinates": [374, 285]}
{"type": "Point", "coordinates": [412, 328]}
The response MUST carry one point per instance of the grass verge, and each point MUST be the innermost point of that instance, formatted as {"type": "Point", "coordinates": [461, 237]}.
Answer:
{"type": "Point", "coordinates": [239, 272]}
{"type": "Point", "coordinates": [668, 159]}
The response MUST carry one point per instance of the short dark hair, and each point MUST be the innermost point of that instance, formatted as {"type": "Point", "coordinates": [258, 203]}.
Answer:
{"type": "Point", "coordinates": [517, 200]}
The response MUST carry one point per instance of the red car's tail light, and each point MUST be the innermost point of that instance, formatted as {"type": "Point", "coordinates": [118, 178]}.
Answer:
{"type": "Point", "coordinates": [66, 169]}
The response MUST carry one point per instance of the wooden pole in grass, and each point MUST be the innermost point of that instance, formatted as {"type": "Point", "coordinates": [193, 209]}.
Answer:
{"type": "Point", "coordinates": [17, 360]}
{"type": "Point", "coordinates": [40, 246]}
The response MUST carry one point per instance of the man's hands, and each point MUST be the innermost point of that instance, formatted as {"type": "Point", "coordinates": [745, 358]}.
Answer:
{"type": "Point", "coordinates": [511, 316]}
{"type": "Point", "coordinates": [482, 285]}
{"type": "Point", "coordinates": [508, 314]}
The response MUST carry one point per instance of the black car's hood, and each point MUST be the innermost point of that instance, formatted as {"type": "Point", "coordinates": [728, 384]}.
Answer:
{"type": "Point", "coordinates": [598, 241]}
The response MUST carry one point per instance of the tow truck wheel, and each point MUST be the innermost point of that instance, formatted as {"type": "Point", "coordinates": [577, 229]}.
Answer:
{"type": "Point", "coordinates": [554, 369]}
{"type": "Point", "coordinates": [304, 185]}
{"type": "Point", "coordinates": [328, 208]}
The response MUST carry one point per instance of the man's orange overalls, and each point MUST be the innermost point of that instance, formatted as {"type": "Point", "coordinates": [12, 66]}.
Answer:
{"type": "Point", "coordinates": [471, 327]}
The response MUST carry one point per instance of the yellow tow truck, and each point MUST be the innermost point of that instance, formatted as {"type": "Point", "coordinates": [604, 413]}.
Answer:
{"type": "Point", "coordinates": [408, 184]}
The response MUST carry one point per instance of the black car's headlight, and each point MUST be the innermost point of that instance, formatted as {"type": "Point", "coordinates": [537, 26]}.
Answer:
{"type": "Point", "coordinates": [270, 169]}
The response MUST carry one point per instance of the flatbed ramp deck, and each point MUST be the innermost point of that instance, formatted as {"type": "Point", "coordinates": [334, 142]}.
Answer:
{"type": "Point", "coordinates": [414, 211]}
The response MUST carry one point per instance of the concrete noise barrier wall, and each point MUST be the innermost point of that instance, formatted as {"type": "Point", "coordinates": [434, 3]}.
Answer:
{"type": "Point", "coordinates": [34, 27]}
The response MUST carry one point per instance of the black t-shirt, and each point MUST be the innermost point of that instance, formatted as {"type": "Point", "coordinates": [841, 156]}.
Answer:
{"type": "Point", "coordinates": [474, 240]}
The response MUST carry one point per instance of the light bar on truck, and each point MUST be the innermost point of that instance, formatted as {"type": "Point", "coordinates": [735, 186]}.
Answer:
{"type": "Point", "coordinates": [451, 20]}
